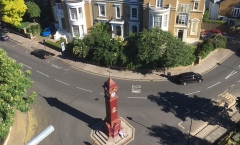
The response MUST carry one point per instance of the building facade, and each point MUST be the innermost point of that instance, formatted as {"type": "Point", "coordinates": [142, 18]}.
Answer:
{"type": "Point", "coordinates": [227, 10]}
{"type": "Point", "coordinates": [74, 18]}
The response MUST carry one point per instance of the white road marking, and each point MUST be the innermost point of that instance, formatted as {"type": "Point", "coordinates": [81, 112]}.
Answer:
{"type": "Point", "coordinates": [136, 88]}
{"type": "Point", "coordinates": [232, 73]}
{"type": "Point", "coordinates": [192, 93]}
{"type": "Point", "coordinates": [26, 65]}
{"type": "Point", "coordinates": [137, 97]}
{"type": "Point", "coordinates": [42, 73]}
{"type": "Point", "coordinates": [84, 89]}
{"type": "Point", "coordinates": [62, 82]}
{"type": "Point", "coordinates": [232, 85]}
{"type": "Point", "coordinates": [56, 66]}
{"type": "Point", "coordinates": [181, 125]}
{"type": "Point", "coordinates": [101, 93]}
{"type": "Point", "coordinates": [213, 85]}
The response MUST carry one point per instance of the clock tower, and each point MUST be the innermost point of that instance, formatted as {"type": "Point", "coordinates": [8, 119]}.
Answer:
{"type": "Point", "coordinates": [112, 122]}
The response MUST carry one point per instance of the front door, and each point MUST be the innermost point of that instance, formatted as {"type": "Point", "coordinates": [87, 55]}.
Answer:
{"type": "Point", "coordinates": [118, 30]}
{"type": "Point", "coordinates": [180, 34]}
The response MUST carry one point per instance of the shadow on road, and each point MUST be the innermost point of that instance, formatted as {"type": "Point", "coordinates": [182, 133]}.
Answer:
{"type": "Point", "coordinates": [54, 102]}
{"type": "Point", "coordinates": [169, 135]}
{"type": "Point", "coordinates": [183, 106]}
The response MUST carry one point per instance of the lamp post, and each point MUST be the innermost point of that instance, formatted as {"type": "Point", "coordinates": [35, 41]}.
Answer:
{"type": "Point", "coordinates": [190, 128]}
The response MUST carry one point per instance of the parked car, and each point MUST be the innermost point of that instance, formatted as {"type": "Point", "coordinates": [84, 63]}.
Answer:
{"type": "Point", "coordinates": [40, 53]}
{"type": "Point", "coordinates": [215, 31]}
{"type": "Point", "coordinates": [46, 32]}
{"type": "Point", "coordinates": [4, 37]}
{"type": "Point", "coordinates": [189, 77]}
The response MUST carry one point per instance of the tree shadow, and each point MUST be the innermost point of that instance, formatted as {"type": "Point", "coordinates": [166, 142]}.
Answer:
{"type": "Point", "coordinates": [90, 121]}
{"type": "Point", "coordinates": [86, 143]}
{"type": "Point", "coordinates": [169, 135]}
{"type": "Point", "coordinates": [183, 106]}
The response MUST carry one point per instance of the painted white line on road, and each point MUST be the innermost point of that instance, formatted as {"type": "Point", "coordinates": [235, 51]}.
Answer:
{"type": "Point", "coordinates": [62, 82]}
{"type": "Point", "coordinates": [213, 85]}
{"type": "Point", "coordinates": [232, 85]}
{"type": "Point", "coordinates": [181, 125]}
{"type": "Point", "coordinates": [26, 65]}
{"type": "Point", "coordinates": [232, 73]}
{"type": "Point", "coordinates": [101, 93]}
{"type": "Point", "coordinates": [192, 93]}
{"type": "Point", "coordinates": [42, 73]}
{"type": "Point", "coordinates": [137, 97]}
{"type": "Point", "coordinates": [84, 89]}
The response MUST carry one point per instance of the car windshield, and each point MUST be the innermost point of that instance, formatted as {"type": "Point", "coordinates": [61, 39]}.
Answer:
{"type": "Point", "coordinates": [46, 30]}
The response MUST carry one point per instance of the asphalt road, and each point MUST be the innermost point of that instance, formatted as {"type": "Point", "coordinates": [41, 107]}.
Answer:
{"type": "Point", "coordinates": [72, 101]}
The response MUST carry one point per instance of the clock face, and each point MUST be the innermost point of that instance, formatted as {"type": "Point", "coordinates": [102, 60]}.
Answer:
{"type": "Point", "coordinates": [113, 94]}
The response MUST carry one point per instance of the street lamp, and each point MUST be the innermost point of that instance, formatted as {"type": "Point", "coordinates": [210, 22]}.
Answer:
{"type": "Point", "coordinates": [190, 128]}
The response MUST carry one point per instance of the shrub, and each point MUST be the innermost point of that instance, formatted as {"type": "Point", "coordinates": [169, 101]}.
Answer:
{"type": "Point", "coordinates": [53, 45]}
{"type": "Point", "coordinates": [206, 49]}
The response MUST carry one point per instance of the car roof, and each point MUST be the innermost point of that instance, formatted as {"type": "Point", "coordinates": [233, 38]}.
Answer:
{"type": "Point", "coordinates": [186, 74]}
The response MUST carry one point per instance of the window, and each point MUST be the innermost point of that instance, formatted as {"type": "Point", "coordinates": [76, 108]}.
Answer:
{"type": "Point", "coordinates": [63, 23]}
{"type": "Point", "coordinates": [159, 3]}
{"type": "Point", "coordinates": [81, 30]}
{"type": "Point", "coordinates": [158, 21]}
{"type": "Point", "coordinates": [183, 8]}
{"type": "Point", "coordinates": [134, 29]}
{"type": "Point", "coordinates": [150, 21]}
{"type": "Point", "coordinates": [194, 26]}
{"type": "Point", "coordinates": [80, 13]}
{"type": "Point", "coordinates": [134, 12]}
{"type": "Point", "coordinates": [236, 12]}
{"type": "Point", "coordinates": [181, 19]}
{"type": "Point", "coordinates": [73, 13]}
{"type": "Point", "coordinates": [117, 11]}
{"type": "Point", "coordinates": [76, 31]}
{"type": "Point", "coordinates": [165, 20]}
{"type": "Point", "coordinates": [59, 6]}
{"type": "Point", "coordinates": [195, 5]}
{"type": "Point", "coordinates": [102, 10]}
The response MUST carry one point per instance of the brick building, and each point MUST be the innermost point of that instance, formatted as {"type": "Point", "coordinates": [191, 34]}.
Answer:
{"type": "Point", "coordinates": [182, 18]}
{"type": "Point", "coordinates": [226, 10]}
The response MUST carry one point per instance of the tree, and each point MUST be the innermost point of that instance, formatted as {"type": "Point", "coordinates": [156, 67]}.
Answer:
{"type": "Point", "coordinates": [33, 10]}
{"type": "Point", "coordinates": [177, 54]}
{"type": "Point", "coordinates": [154, 48]}
{"type": "Point", "coordinates": [80, 48]}
{"type": "Point", "coordinates": [151, 45]}
{"type": "Point", "coordinates": [11, 11]}
{"type": "Point", "coordinates": [13, 91]}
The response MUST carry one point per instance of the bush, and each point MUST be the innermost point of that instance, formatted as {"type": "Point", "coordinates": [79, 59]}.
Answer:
{"type": "Point", "coordinates": [206, 49]}
{"type": "Point", "coordinates": [53, 45]}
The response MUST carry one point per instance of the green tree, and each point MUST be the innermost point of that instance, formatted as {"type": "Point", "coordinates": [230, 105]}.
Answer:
{"type": "Point", "coordinates": [13, 91]}
{"type": "Point", "coordinates": [80, 48]}
{"type": "Point", "coordinates": [151, 44]}
{"type": "Point", "coordinates": [33, 10]}
{"type": "Point", "coordinates": [104, 49]}
{"type": "Point", "coordinates": [11, 11]}
{"type": "Point", "coordinates": [177, 54]}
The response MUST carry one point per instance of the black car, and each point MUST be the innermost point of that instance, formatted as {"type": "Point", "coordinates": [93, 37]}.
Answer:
{"type": "Point", "coordinates": [189, 77]}
{"type": "Point", "coordinates": [40, 53]}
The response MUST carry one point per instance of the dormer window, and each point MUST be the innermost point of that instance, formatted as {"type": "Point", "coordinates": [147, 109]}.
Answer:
{"type": "Point", "coordinates": [195, 5]}
{"type": "Point", "coordinates": [159, 3]}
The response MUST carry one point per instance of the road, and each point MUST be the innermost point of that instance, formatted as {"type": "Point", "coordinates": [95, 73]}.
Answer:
{"type": "Point", "coordinates": [72, 101]}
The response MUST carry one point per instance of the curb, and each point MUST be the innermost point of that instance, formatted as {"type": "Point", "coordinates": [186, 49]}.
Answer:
{"type": "Point", "coordinates": [8, 136]}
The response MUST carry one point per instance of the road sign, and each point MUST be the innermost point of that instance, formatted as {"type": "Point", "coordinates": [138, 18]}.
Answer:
{"type": "Point", "coordinates": [63, 46]}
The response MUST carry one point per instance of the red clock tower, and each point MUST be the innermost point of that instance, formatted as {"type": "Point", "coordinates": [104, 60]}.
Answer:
{"type": "Point", "coordinates": [112, 122]}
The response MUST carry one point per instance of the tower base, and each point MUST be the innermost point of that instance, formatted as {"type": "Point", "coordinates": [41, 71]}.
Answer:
{"type": "Point", "coordinates": [98, 135]}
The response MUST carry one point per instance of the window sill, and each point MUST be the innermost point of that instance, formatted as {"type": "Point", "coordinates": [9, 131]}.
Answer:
{"type": "Point", "coordinates": [102, 16]}
{"type": "Point", "coordinates": [136, 19]}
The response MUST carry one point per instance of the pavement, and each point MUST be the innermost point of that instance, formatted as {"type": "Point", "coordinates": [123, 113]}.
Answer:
{"type": "Point", "coordinates": [19, 128]}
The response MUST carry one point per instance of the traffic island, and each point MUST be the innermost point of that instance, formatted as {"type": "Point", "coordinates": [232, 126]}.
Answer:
{"type": "Point", "coordinates": [98, 135]}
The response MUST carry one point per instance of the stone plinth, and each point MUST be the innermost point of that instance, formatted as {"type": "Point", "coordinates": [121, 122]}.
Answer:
{"type": "Point", "coordinates": [101, 138]}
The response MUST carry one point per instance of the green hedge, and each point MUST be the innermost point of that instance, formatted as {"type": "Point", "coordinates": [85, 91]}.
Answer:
{"type": "Point", "coordinates": [212, 43]}
{"type": "Point", "coordinates": [53, 45]}
{"type": "Point", "coordinates": [215, 22]}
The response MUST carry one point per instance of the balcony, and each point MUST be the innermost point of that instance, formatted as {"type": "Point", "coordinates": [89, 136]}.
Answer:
{"type": "Point", "coordinates": [160, 10]}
